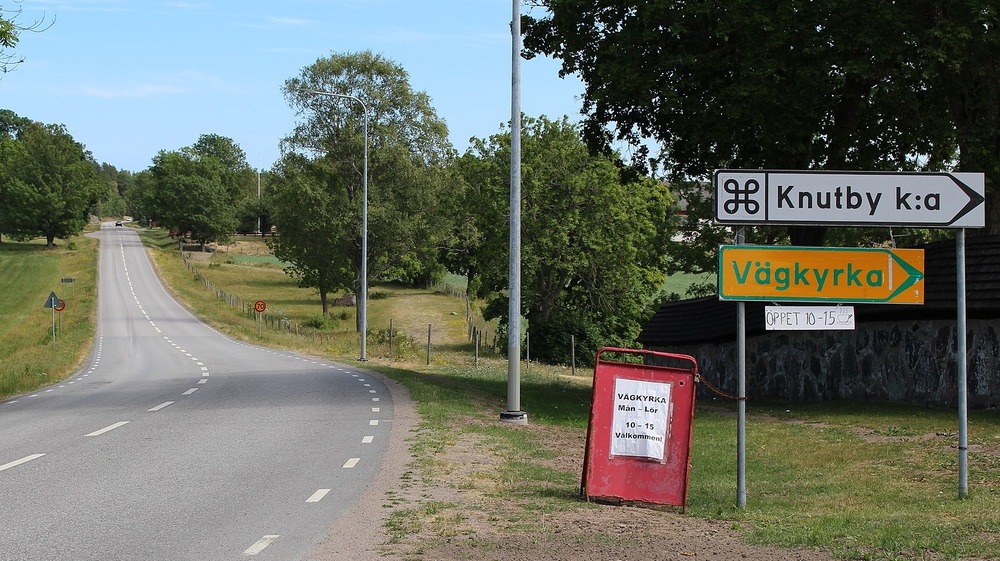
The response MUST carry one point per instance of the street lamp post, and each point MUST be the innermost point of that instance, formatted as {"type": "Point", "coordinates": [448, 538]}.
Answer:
{"type": "Point", "coordinates": [363, 297]}
{"type": "Point", "coordinates": [513, 413]}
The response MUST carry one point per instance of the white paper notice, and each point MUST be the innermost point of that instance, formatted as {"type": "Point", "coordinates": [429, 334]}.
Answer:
{"type": "Point", "coordinates": [639, 425]}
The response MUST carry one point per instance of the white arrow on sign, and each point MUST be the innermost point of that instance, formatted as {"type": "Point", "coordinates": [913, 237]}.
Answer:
{"type": "Point", "coordinates": [842, 198]}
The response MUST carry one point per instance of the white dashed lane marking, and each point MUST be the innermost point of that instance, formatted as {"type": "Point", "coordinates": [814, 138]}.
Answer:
{"type": "Point", "coordinates": [261, 545]}
{"type": "Point", "coordinates": [352, 462]}
{"type": "Point", "coordinates": [160, 406]}
{"type": "Point", "coordinates": [107, 428]}
{"type": "Point", "coordinates": [23, 460]}
{"type": "Point", "coordinates": [317, 496]}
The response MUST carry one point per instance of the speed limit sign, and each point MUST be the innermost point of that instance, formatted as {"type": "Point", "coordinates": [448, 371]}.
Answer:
{"type": "Point", "coordinates": [259, 306]}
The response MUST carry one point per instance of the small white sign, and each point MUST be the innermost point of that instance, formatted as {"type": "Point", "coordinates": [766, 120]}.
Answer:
{"type": "Point", "coordinates": [808, 318]}
{"type": "Point", "coordinates": [639, 424]}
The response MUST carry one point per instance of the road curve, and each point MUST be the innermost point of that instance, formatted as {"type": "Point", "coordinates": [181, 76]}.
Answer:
{"type": "Point", "coordinates": [177, 442]}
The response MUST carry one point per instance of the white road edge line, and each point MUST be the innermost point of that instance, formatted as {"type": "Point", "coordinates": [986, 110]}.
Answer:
{"type": "Point", "coordinates": [161, 406]}
{"type": "Point", "coordinates": [107, 428]}
{"type": "Point", "coordinates": [317, 496]}
{"type": "Point", "coordinates": [260, 545]}
{"type": "Point", "coordinates": [352, 462]}
{"type": "Point", "coordinates": [23, 460]}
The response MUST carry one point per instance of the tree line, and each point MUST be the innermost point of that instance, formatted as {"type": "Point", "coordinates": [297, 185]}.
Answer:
{"type": "Point", "coordinates": [691, 87]}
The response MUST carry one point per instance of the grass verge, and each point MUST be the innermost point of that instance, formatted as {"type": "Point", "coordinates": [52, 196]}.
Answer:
{"type": "Point", "coordinates": [29, 358]}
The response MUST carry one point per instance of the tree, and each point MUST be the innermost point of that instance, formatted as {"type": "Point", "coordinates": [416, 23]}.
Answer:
{"type": "Point", "coordinates": [51, 183]}
{"type": "Point", "coordinates": [306, 211]}
{"type": "Point", "coordinates": [237, 176]}
{"type": "Point", "coordinates": [591, 243]}
{"type": "Point", "coordinates": [196, 189]}
{"type": "Point", "coordinates": [408, 150]}
{"type": "Point", "coordinates": [189, 195]}
{"type": "Point", "coordinates": [960, 54]}
{"type": "Point", "coordinates": [109, 200]}
{"type": "Point", "coordinates": [10, 34]}
{"type": "Point", "coordinates": [836, 84]}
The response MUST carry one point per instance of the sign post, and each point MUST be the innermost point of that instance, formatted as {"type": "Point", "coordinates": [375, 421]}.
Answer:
{"type": "Point", "coordinates": [847, 198]}
{"type": "Point", "coordinates": [259, 306]}
{"type": "Point", "coordinates": [52, 302]}
{"type": "Point", "coordinates": [71, 281]}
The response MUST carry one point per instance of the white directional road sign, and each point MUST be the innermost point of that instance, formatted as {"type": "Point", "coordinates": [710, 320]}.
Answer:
{"type": "Point", "coordinates": [843, 198]}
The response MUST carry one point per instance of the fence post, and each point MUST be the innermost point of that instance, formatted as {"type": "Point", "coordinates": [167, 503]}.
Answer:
{"type": "Point", "coordinates": [428, 344]}
{"type": "Point", "coordinates": [572, 353]}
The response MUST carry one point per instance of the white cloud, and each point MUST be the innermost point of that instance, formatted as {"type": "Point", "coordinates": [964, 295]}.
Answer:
{"type": "Point", "coordinates": [133, 91]}
{"type": "Point", "coordinates": [183, 84]}
{"type": "Point", "coordinates": [293, 21]}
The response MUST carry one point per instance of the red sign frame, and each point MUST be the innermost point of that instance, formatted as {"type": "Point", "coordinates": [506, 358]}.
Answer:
{"type": "Point", "coordinates": [657, 477]}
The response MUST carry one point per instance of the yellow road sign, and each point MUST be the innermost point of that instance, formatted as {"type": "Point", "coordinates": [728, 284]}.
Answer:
{"type": "Point", "coordinates": [821, 274]}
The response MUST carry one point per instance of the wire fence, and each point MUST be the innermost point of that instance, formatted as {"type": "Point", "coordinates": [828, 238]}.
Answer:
{"type": "Point", "coordinates": [480, 332]}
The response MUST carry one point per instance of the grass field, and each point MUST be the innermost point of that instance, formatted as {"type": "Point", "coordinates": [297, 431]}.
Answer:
{"type": "Point", "coordinates": [246, 271]}
{"type": "Point", "coordinates": [29, 272]}
{"type": "Point", "coordinates": [864, 481]}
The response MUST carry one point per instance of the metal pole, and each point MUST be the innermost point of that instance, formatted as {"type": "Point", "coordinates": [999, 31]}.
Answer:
{"type": "Point", "coordinates": [513, 414]}
{"type": "Point", "coordinates": [960, 327]}
{"type": "Point", "coordinates": [572, 353]}
{"type": "Point", "coordinates": [741, 392]}
{"type": "Point", "coordinates": [363, 297]}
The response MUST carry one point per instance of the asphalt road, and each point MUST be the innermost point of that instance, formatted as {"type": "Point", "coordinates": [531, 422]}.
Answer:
{"type": "Point", "coordinates": [175, 442]}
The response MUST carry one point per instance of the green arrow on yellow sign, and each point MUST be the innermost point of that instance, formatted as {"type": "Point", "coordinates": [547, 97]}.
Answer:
{"type": "Point", "coordinates": [823, 274]}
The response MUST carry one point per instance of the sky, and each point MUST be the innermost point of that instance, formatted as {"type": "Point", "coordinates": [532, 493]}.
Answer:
{"type": "Point", "coordinates": [129, 78]}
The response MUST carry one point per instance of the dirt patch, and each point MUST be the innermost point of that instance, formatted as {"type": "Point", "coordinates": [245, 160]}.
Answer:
{"type": "Point", "coordinates": [458, 515]}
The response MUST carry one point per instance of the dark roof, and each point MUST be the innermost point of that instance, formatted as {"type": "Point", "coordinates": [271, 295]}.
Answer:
{"type": "Point", "coordinates": [710, 320]}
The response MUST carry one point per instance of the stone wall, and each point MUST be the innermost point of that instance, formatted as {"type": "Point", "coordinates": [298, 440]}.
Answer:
{"type": "Point", "coordinates": [910, 362]}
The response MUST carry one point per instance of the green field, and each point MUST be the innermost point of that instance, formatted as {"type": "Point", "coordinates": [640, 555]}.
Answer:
{"type": "Point", "coordinates": [29, 358]}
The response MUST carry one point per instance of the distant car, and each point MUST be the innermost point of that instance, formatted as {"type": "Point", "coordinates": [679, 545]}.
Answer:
{"type": "Point", "coordinates": [118, 223]}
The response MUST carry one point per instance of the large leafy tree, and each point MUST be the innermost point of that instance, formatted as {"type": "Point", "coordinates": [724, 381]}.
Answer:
{"type": "Point", "coordinates": [960, 54]}
{"type": "Point", "coordinates": [50, 183]}
{"type": "Point", "coordinates": [306, 212]}
{"type": "Point", "coordinates": [591, 243]}
{"type": "Point", "coordinates": [834, 84]}
{"type": "Point", "coordinates": [188, 194]}
{"type": "Point", "coordinates": [13, 192]}
{"type": "Point", "coordinates": [196, 189]}
{"type": "Point", "coordinates": [408, 148]}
